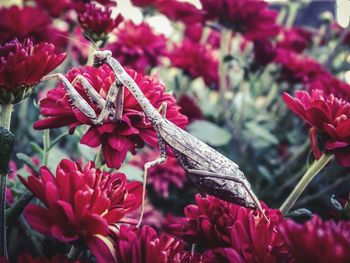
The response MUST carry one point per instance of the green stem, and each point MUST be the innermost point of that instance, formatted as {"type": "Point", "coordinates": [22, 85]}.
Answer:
{"type": "Point", "coordinates": [224, 47]}
{"type": "Point", "coordinates": [5, 115]}
{"type": "Point", "coordinates": [313, 170]}
{"type": "Point", "coordinates": [46, 145]}
{"type": "Point", "coordinates": [5, 121]}
{"type": "Point", "coordinates": [292, 13]}
{"type": "Point", "coordinates": [99, 158]}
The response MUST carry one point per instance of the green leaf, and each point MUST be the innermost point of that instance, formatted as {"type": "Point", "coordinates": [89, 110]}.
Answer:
{"type": "Point", "coordinates": [36, 148]}
{"type": "Point", "coordinates": [132, 173]}
{"type": "Point", "coordinates": [259, 131]}
{"type": "Point", "coordinates": [18, 207]}
{"type": "Point", "coordinates": [209, 133]}
{"type": "Point", "coordinates": [7, 141]}
{"type": "Point", "coordinates": [87, 152]}
{"type": "Point", "coordinates": [28, 161]}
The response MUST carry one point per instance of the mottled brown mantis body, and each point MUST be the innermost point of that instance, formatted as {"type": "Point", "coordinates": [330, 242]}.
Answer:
{"type": "Point", "coordinates": [209, 170]}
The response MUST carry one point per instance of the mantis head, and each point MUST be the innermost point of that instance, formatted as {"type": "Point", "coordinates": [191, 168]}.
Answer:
{"type": "Point", "coordinates": [99, 57]}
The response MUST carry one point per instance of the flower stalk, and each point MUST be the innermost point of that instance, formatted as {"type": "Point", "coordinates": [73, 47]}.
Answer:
{"type": "Point", "coordinates": [7, 137]}
{"type": "Point", "coordinates": [310, 174]}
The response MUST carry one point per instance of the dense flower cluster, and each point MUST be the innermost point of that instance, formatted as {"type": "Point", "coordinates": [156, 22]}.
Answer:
{"type": "Point", "coordinates": [145, 245]}
{"type": "Point", "coordinates": [328, 115]}
{"type": "Point", "coordinates": [162, 176]}
{"type": "Point", "coordinates": [251, 18]}
{"type": "Point", "coordinates": [227, 229]}
{"type": "Point", "coordinates": [54, 8]}
{"type": "Point", "coordinates": [297, 68]}
{"type": "Point", "coordinates": [190, 108]}
{"type": "Point", "coordinates": [97, 21]}
{"type": "Point", "coordinates": [144, 3]}
{"type": "Point", "coordinates": [80, 202]}
{"type": "Point", "coordinates": [18, 59]}
{"type": "Point", "coordinates": [138, 47]}
{"type": "Point", "coordinates": [317, 240]}
{"type": "Point", "coordinates": [197, 61]}
{"type": "Point", "coordinates": [296, 39]}
{"type": "Point", "coordinates": [18, 23]}
{"type": "Point", "coordinates": [195, 32]}
{"type": "Point", "coordinates": [180, 11]}
{"type": "Point", "coordinates": [127, 134]}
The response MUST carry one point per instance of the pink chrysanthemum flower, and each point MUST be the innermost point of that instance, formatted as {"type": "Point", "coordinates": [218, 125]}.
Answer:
{"type": "Point", "coordinates": [23, 64]}
{"type": "Point", "coordinates": [194, 32]}
{"type": "Point", "coordinates": [145, 245]}
{"type": "Point", "coordinates": [296, 39]}
{"type": "Point", "coordinates": [138, 47]}
{"type": "Point", "coordinates": [212, 221]}
{"type": "Point", "coordinates": [252, 18]}
{"type": "Point", "coordinates": [127, 134]}
{"type": "Point", "coordinates": [180, 11]}
{"type": "Point", "coordinates": [97, 21]}
{"type": "Point", "coordinates": [317, 240]}
{"type": "Point", "coordinates": [18, 23]}
{"type": "Point", "coordinates": [162, 176]}
{"type": "Point", "coordinates": [190, 108]}
{"type": "Point", "coordinates": [80, 202]}
{"type": "Point", "coordinates": [144, 3]}
{"type": "Point", "coordinates": [328, 114]}
{"type": "Point", "coordinates": [297, 68]}
{"type": "Point", "coordinates": [197, 61]}
{"type": "Point", "coordinates": [54, 8]}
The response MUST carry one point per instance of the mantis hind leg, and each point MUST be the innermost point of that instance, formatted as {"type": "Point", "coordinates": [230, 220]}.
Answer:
{"type": "Point", "coordinates": [160, 160]}
{"type": "Point", "coordinates": [234, 179]}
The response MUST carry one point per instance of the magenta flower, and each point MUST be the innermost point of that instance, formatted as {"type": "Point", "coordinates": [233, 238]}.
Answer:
{"type": "Point", "coordinates": [296, 39]}
{"type": "Point", "coordinates": [54, 8]}
{"type": "Point", "coordinates": [162, 176]}
{"type": "Point", "coordinates": [97, 21]}
{"type": "Point", "coordinates": [328, 115]}
{"type": "Point", "coordinates": [317, 240]}
{"type": "Point", "coordinates": [138, 47]}
{"type": "Point", "coordinates": [145, 245]}
{"type": "Point", "coordinates": [194, 32]}
{"type": "Point", "coordinates": [144, 3]}
{"type": "Point", "coordinates": [264, 52]}
{"type": "Point", "coordinates": [18, 23]}
{"type": "Point", "coordinates": [132, 131]}
{"type": "Point", "coordinates": [190, 108]}
{"type": "Point", "coordinates": [180, 11]}
{"type": "Point", "coordinates": [23, 64]}
{"type": "Point", "coordinates": [252, 18]}
{"type": "Point", "coordinates": [211, 221]}
{"type": "Point", "coordinates": [80, 202]}
{"type": "Point", "coordinates": [297, 68]}
{"type": "Point", "coordinates": [197, 61]}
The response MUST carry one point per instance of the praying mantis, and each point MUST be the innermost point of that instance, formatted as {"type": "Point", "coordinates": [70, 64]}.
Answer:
{"type": "Point", "coordinates": [210, 171]}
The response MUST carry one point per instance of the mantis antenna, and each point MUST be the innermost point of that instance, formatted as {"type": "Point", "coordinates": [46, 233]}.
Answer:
{"type": "Point", "coordinates": [75, 40]}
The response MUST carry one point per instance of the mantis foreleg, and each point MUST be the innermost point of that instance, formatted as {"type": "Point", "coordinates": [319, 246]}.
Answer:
{"type": "Point", "coordinates": [76, 99]}
{"type": "Point", "coordinates": [92, 93]}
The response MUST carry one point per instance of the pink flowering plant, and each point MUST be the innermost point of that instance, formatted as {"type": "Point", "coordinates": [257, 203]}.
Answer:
{"type": "Point", "coordinates": [257, 82]}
